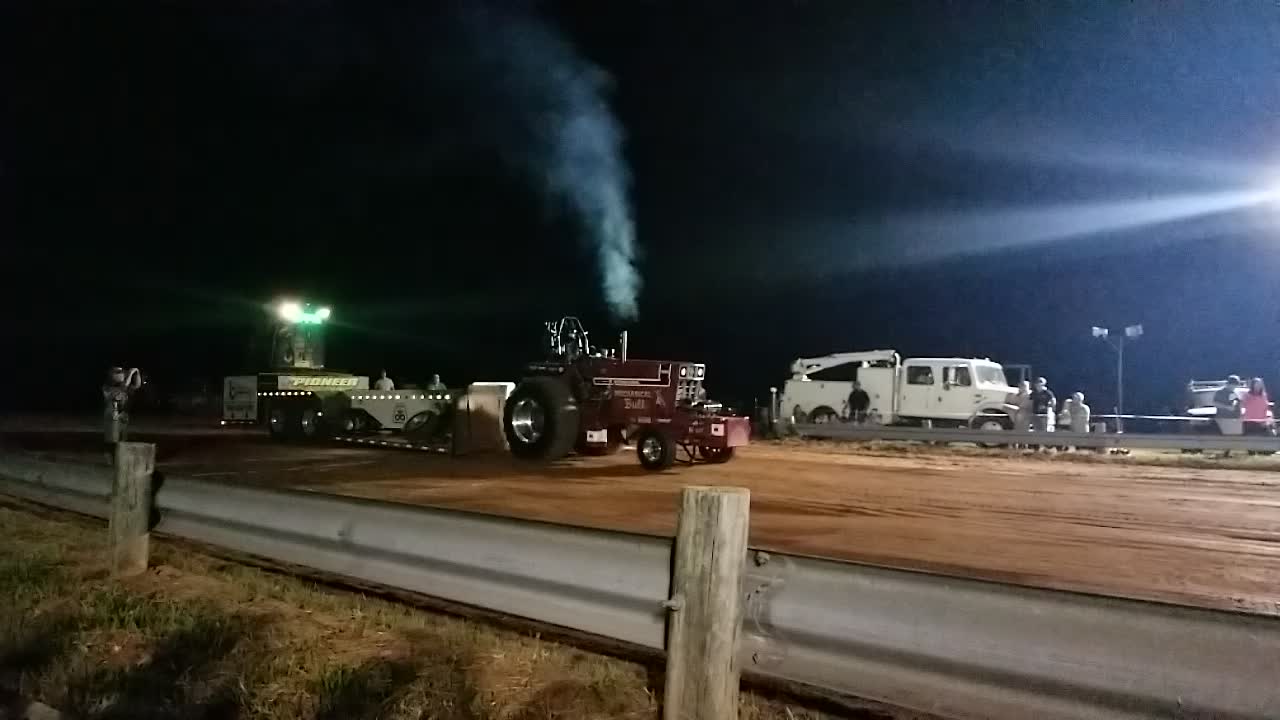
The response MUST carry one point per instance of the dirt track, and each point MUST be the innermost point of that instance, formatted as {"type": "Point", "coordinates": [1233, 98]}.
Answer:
{"type": "Point", "coordinates": [1199, 537]}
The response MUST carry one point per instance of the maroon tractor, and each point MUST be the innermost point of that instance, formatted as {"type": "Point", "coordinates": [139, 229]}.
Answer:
{"type": "Point", "coordinates": [589, 400]}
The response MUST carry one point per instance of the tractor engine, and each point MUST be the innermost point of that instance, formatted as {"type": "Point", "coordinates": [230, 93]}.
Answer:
{"type": "Point", "coordinates": [590, 400]}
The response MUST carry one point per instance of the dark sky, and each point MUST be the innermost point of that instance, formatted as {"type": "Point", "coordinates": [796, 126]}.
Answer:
{"type": "Point", "coordinates": [806, 177]}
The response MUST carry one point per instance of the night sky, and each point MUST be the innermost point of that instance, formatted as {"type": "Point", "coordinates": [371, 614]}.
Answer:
{"type": "Point", "coordinates": [805, 177]}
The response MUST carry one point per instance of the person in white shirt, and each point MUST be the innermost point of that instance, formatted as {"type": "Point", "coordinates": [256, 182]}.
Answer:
{"type": "Point", "coordinates": [1079, 414]}
{"type": "Point", "coordinates": [384, 383]}
{"type": "Point", "coordinates": [436, 385]}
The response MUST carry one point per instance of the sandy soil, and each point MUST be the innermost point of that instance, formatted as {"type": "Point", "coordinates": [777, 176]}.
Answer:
{"type": "Point", "coordinates": [1200, 537]}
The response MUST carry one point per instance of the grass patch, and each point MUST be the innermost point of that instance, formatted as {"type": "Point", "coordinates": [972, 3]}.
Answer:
{"type": "Point", "coordinates": [201, 637]}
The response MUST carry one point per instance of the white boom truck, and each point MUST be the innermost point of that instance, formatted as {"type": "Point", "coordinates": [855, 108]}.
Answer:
{"type": "Point", "coordinates": [948, 392]}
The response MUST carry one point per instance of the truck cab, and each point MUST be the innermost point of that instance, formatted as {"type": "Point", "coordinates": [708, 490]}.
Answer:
{"type": "Point", "coordinates": [952, 390]}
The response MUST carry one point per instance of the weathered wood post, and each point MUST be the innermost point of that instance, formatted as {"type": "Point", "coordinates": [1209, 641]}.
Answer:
{"type": "Point", "coordinates": [131, 508]}
{"type": "Point", "coordinates": [706, 605]}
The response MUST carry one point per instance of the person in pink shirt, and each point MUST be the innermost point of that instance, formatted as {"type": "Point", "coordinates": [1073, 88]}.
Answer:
{"type": "Point", "coordinates": [1256, 409]}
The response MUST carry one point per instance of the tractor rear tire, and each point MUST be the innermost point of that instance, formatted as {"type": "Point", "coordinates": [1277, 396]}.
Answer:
{"type": "Point", "coordinates": [655, 450]}
{"type": "Point", "coordinates": [540, 419]}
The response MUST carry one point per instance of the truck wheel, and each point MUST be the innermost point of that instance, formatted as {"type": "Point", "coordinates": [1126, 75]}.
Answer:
{"type": "Point", "coordinates": [423, 426]}
{"type": "Point", "coordinates": [540, 420]}
{"type": "Point", "coordinates": [823, 415]}
{"type": "Point", "coordinates": [310, 424]}
{"type": "Point", "coordinates": [351, 423]}
{"type": "Point", "coordinates": [715, 454]}
{"type": "Point", "coordinates": [278, 424]}
{"type": "Point", "coordinates": [991, 423]}
{"type": "Point", "coordinates": [655, 450]}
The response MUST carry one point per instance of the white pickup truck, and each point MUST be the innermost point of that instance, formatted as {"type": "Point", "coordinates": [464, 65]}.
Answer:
{"type": "Point", "coordinates": [947, 392]}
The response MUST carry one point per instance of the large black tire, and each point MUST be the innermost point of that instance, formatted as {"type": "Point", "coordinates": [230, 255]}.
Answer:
{"type": "Point", "coordinates": [310, 423]}
{"type": "Point", "coordinates": [992, 424]}
{"type": "Point", "coordinates": [822, 415]}
{"type": "Point", "coordinates": [655, 450]}
{"type": "Point", "coordinates": [424, 427]}
{"type": "Point", "coordinates": [280, 421]}
{"type": "Point", "coordinates": [352, 422]}
{"type": "Point", "coordinates": [540, 419]}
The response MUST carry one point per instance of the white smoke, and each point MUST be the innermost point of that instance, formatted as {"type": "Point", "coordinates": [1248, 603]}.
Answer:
{"type": "Point", "coordinates": [569, 137]}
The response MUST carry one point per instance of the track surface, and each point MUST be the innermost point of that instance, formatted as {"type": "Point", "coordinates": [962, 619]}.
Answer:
{"type": "Point", "coordinates": [1209, 538]}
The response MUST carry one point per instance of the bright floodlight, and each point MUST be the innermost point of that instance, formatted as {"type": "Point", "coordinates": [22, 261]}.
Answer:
{"type": "Point", "coordinates": [324, 313]}
{"type": "Point", "coordinates": [290, 311]}
{"type": "Point", "coordinates": [1100, 332]}
{"type": "Point", "coordinates": [1133, 331]}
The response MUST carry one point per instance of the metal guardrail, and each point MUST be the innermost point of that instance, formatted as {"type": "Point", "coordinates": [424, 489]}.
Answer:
{"type": "Point", "coordinates": [869, 433]}
{"type": "Point", "coordinates": [958, 648]}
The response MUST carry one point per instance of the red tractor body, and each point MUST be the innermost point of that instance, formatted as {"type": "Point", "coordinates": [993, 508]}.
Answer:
{"type": "Point", "coordinates": [591, 401]}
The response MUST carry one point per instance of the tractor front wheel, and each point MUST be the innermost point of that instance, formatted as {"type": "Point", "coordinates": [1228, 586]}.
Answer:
{"type": "Point", "coordinates": [655, 450]}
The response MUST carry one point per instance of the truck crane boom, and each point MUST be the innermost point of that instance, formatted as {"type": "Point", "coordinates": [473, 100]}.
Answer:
{"type": "Point", "coordinates": [802, 367]}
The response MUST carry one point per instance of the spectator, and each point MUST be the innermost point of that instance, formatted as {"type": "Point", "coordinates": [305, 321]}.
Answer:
{"type": "Point", "coordinates": [859, 403]}
{"type": "Point", "coordinates": [1079, 413]}
{"type": "Point", "coordinates": [1043, 406]}
{"type": "Point", "coordinates": [384, 383]}
{"type": "Point", "coordinates": [1256, 407]}
{"type": "Point", "coordinates": [1022, 417]}
{"type": "Point", "coordinates": [436, 386]}
{"type": "Point", "coordinates": [116, 393]}
{"type": "Point", "coordinates": [1063, 422]}
{"type": "Point", "coordinates": [1227, 400]}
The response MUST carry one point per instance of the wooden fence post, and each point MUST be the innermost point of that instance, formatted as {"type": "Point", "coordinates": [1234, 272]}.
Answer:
{"type": "Point", "coordinates": [131, 508]}
{"type": "Point", "coordinates": [706, 605]}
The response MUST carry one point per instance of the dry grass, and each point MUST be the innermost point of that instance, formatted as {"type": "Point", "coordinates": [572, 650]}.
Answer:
{"type": "Point", "coordinates": [1209, 460]}
{"type": "Point", "coordinates": [200, 637]}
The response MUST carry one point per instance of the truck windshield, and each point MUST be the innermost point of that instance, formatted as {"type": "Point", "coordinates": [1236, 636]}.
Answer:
{"type": "Point", "coordinates": [990, 375]}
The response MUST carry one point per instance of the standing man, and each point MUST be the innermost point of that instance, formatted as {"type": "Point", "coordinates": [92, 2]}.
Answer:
{"type": "Point", "coordinates": [384, 383]}
{"type": "Point", "coordinates": [1043, 406]}
{"type": "Point", "coordinates": [859, 403]}
{"type": "Point", "coordinates": [1227, 399]}
{"type": "Point", "coordinates": [1079, 414]}
{"type": "Point", "coordinates": [116, 392]}
{"type": "Point", "coordinates": [436, 385]}
{"type": "Point", "coordinates": [1022, 404]}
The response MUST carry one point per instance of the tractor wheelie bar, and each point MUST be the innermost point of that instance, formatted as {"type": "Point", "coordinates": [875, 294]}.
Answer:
{"type": "Point", "coordinates": [590, 400]}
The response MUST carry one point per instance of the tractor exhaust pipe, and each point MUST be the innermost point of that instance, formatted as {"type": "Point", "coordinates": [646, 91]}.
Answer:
{"type": "Point", "coordinates": [623, 342]}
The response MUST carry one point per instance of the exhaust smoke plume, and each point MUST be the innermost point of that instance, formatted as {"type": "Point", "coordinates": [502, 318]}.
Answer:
{"type": "Point", "coordinates": [567, 137]}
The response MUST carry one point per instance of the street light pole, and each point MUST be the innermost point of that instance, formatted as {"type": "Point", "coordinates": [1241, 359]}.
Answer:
{"type": "Point", "coordinates": [1132, 332]}
{"type": "Point", "coordinates": [1120, 384]}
